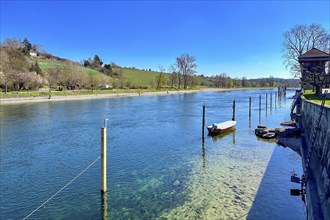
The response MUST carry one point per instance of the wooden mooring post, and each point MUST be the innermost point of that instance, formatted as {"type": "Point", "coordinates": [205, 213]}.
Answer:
{"type": "Point", "coordinates": [203, 123]}
{"type": "Point", "coordinates": [104, 158]}
{"type": "Point", "coordinates": [259, 109]}
{"type": "Point", "coordinates": [250, 106]}
{"type": "Point", "coordinates": [275, 98]}
{"type": "Point", "coordinates": [104, 206]}
{"type": "Point", "coordinates": [203, 155]}
{"type": "Point", "coordinates": [234, 108]}
{"type": "Point", "coordinates": [266, 104]}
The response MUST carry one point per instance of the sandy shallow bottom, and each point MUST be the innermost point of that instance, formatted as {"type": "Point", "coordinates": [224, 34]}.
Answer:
{"type": "Point", "coordinates": [223, 187]}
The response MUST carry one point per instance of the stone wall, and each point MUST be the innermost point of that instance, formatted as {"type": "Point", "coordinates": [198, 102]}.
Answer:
{"type": "Point", "coordinates": [320, 161]}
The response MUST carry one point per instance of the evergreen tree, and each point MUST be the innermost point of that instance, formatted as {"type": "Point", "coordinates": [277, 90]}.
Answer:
{"type": "Point", "coordinates": [27, 45]}
{"type": "Point", "coordinates": [97, 61]}
{"type": "Point", "coordinates": [36, 68]}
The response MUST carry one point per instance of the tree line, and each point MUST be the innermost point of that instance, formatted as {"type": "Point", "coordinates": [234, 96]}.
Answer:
{"type": "Point", "coordinates": [20, 71]}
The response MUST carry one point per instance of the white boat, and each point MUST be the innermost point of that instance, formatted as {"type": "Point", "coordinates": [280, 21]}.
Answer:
{"type": "Point", "coordinates": [218, 128]}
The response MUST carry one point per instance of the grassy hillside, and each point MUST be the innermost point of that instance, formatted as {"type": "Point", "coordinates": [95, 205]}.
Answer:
{"type": "Point", "coordinates": [139, 77]}
{"type": "Point", "coordinates": [133, 77]}
{"type": "Point", "coordinates": [51, 63]}
{"type": "Point", "coordinates": [149, 78]}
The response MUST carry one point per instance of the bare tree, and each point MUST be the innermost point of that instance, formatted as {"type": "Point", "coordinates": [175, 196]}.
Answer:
{"type": "Point", "coordinates": [186, 66]}
{"type": "Point", "coordinates": [271, 81]}
{"type": "Point", "coordinates": [92, 80]}
{"type": "Point", "coordinates": [159, 78]}
{"type": "Point", "coordinates": [237, 82]}
{"type": "Point", "coordinates": [27, 80]}
{"type": "Point", "coordinates": [244, 82]}
{"type": "Point", "coordinates": [299, 40]}
{"type": "Point", "coordinates": [6, 73]}
{"type": "Point", "coordinates": [12, 62]}
{"type": "Point", "coordinates": [71, 75]}
{"type": "Point", "coordinates": [221, 80]}
{"type": "Point", "coordinates": [12, 43]}
{"type": "Point", "coordinates": [176, 77]}
{"type": "Point", "coordinates": [173, 79]}
{"type": "Point", "coordinates": [52, 76]}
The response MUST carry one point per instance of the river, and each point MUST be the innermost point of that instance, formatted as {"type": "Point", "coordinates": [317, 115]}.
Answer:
{"type": "Point", "coordinates": [158, 167]}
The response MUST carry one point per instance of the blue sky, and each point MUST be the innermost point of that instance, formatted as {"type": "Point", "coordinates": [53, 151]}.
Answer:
{"type": "Point", "coordinates": [240, 38]}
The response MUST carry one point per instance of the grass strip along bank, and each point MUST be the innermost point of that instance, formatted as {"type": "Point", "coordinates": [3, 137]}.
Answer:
{"type": "Point", "coordinates": [310, 95]}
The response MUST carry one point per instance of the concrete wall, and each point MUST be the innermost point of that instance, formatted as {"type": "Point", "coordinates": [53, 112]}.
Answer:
{"type": "Point", "coordinates": [318, 187]}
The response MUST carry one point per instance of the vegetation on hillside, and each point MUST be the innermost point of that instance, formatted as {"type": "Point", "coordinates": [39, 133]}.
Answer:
{"type": "Point", "coordinates": [26, 67]}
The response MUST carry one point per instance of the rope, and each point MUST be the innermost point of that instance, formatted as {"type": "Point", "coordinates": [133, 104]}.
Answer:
{"type": "Point", "coordinates": [62, 188]}
{"type": "Point", "coordinates": [241, 216]}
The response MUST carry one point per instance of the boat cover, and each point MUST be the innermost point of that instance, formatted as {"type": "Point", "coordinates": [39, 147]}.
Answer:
{"type": "Point", "coordinates": [224, 125]}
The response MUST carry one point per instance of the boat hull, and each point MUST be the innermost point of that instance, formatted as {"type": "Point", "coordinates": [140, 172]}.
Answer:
{"type": "Point", "coordinates": [218, 131]}
{"type": "Point", "coordinates": [221, 127]}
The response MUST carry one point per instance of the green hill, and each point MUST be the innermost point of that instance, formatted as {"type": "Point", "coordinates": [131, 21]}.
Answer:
{"type": "Point", "coordinates": [139, 78]}
{"type": "Point", "coordinates": [132, 77]}
{"type": "Point", "coordinates": [51, 63]}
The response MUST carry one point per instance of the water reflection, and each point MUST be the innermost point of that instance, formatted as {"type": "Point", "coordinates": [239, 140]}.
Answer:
{"type": "Point", "coordinates": [104, 198]}
{"type": "Point", "coordinates": [266, 105]}
{"type": "Point", "coordinates": [203, 155]}
{"type": "Point", "coordinates": [215, 138]}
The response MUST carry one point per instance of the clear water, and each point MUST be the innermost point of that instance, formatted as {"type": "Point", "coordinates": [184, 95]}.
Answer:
{"type": "Point", "coordinates": [158, 167]}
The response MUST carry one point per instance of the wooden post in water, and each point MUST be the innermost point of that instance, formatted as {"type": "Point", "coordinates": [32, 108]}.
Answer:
{"type": "Point", "coordinates": [250, 106]}
{"type": "Point", "coordinates": [203, 123]}
{"type": "Point", "coordinates": [104, 158]}
{"type": "Point", "coordinates": [271, 100]}
{"type": "Point", "coordinates": [250, 112]}
{"type": "Point", "coordinates": [275, 98]}
{"type": "Point", "coordinates": [259, 109]}
{"type": "Point", "coordinates": [203, 154]}
{"type": "Point", "coordinates": [104, 206]}
{"type": "Point", "coordinates": [266, 104]}
{"type": "Point", "coordinates": [234, 107]}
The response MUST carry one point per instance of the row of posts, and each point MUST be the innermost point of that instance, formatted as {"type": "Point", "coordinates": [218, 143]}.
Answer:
{"type": "Point", "coordinates": [104, 143]}
{"type": "Point", "coordinates": [277, 96]}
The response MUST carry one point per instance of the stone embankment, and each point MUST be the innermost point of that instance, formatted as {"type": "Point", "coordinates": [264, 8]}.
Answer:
{"type": "Point", "coordinates": [318, 185]}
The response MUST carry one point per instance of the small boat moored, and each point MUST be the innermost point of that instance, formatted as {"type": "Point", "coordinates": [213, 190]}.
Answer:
{"type": "Point", "coordinates": [219, 128]}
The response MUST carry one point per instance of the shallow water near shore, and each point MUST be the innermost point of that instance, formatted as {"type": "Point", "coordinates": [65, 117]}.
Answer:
{"type": "Point", "coordinates": [158, 167]}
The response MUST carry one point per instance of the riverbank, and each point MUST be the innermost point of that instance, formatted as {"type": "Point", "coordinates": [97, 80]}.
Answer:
{"type": "Point", "coordinates": [55, 98]}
